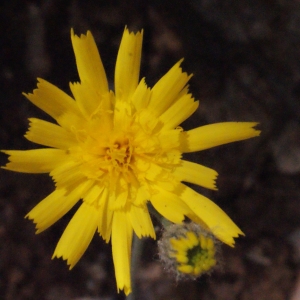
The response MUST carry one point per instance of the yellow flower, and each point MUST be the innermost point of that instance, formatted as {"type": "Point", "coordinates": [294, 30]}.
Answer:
{"type": "Point", "coordinates": [118, 150]}
{"type": "Point", "coordinates": [188, 250]}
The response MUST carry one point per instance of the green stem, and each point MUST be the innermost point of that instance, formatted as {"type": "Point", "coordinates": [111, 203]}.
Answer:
{"type": "Point", "coordinates": [164, 222]}
{"type": "Point", "coordinates": [137, 248]}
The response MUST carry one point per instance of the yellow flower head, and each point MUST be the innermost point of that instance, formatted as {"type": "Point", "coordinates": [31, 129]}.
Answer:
{"type": "Point", "coordinates": [118, 150]}
{"type": "Point", "coordinates": [188, 250]}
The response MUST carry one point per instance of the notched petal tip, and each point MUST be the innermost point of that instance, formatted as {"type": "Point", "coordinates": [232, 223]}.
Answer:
{"type": "Point", "coordinates": [64, 258]}
{"type": "Point", "coordinates": [5, 152]}
{"type": "Point", "coordinates": [40, 82]}
{"type": "Point", "coordinates": [231, 241]}
{"type": "Point", "coordinates": [180, 62]}
{"type": "Point", "coordinates": [37, 229]}
{"type": "Point", "coordinates": [81, 36]}
{"type": "Point", "coordinates": [131, 32]}
{"type": "Point", "coordinates": [28, 217]}
{"type": "Point", "coordinates": [257, 132]}
{"type": "Point", "coordinates": [178, 65]}
{"type": "Point", "coordinates": [127, 290]}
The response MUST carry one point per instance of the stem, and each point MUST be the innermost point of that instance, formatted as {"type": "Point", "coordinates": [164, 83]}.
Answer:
{"type": "Point", "coordinates": [137, 247]}
{"type": "Point", "coordinates": [164, 222]}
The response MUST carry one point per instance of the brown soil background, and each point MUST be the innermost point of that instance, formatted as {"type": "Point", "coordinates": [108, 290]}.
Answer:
{"type": "Point", "coordinates": [245, 59]}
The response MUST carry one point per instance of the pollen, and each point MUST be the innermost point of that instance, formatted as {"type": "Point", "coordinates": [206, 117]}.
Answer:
{"type": "Point", "coordinates": [119, 154]}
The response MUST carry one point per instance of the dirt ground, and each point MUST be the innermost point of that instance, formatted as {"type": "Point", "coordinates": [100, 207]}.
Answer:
{"type": "Point", "coordinates": [245, 57]}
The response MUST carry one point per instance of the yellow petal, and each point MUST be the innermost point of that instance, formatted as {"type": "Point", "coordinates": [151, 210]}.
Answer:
{"type": "Point", "coordinates": [210, 244]}
{"type": "Point", "coordinates": [69, 173]}
{"type": "Point", "coordinates": [128, 64]}
{"type": "Point", "coordinates": [192, 238]}
{"type": "Point", "coordinates": [122, 115]}
{"type": "Point", "coordinates": [182, 258]}
{"type": "Point", "coordinates": [213, 135]}
{"type": "Point", "coordinates": [93, 196]}
{"type": "Point", "coordinates": [151, 170]}
{"type": "Point", "coordinates": [179, 245]}
{"type": "Point", "coordinates": [203, 241]}
{"type": "Point", "coordinates": [187, 269]}
{"type": "Point", "coordinates": [49, 210]}
{"type": "Point", "coordinates": [105, 216]}
{"type": "Point", "coordinates": [142, 195]}
{"type": "Point", "coordinates": [34, 161]}
{"type": "Point", "coordinates": [179, 111]}
{"type": "Point", "coordinates": [89, 101]}
{"type": "Point", "coordinates": [49, 134]}
{"type": "Point", "coordinates": [89, 66]}
{"type": "Point", "coordinates": [121, 249]}
{"type": "Point", "coordinates": [52, 100]}
{"type": "Point", "coordinates": [188, 243]}
{"type": "Point", "coordinates": [141, 96]}
{"type": "Point", "coordinates": [170, 206]}
{"type": "Point", "coordinates": [197, 174]}
{"type": "Point", "coordinates": [141, 221]}
{"type": "Point", "coordinates": [72, 122]}
{"type": "Point", "coordinates": [167, 89]}
{"type": "Point", "coordinates": [212, 215]}
{"type": "Point", "coordinates": [78, 235]}
{"type": "Point", "coordinates": [56, 205]}
{"type": "Point", "coordinates": [169, 139]}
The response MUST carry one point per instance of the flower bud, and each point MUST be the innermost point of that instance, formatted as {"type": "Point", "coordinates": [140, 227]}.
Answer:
{"type": "Point", "coordinates": [188, 250]}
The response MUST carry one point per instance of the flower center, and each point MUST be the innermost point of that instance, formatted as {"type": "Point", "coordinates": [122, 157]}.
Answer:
{"type": "Point", "coordinates": [201, 259]}
{"type": "Point", "coordinates": [197, 255]}
{"type": "Point", "coordinates": [119, 154]}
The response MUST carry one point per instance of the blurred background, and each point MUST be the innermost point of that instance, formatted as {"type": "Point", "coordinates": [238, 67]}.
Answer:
{"type": "Point", "coordinates": [245, 59]}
